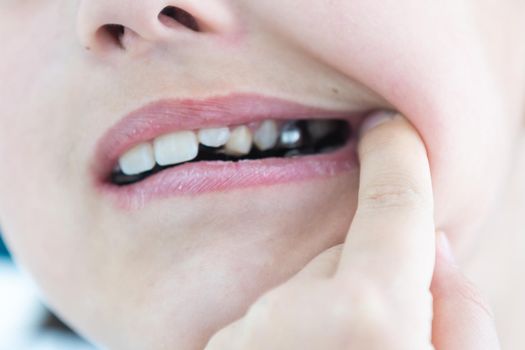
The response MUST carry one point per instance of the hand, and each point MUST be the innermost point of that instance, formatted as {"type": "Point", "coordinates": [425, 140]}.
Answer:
{"type": "Point", "coordinates": [373, 292]}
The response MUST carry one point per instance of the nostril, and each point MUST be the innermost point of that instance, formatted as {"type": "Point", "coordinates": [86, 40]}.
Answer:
{"type": "Point", "coordinates": [176, 14]}
{"type": "Point", "coordinates": [119, 36]}
{"type": "Point", "coordinates": [112, 34]}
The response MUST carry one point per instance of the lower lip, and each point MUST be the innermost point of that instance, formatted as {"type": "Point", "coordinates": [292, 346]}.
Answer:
{"type": "Point", "coordinates": [192, 179]}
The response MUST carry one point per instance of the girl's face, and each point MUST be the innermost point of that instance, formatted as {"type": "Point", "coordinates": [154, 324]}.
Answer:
{"type": "Point", "coordinates": [164, 262]}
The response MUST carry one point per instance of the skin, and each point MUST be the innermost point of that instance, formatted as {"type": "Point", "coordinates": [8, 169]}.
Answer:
{"type": "Point", "coordinates": [153, 279]}
{"type": "Point", "coordinates": [391, 306]}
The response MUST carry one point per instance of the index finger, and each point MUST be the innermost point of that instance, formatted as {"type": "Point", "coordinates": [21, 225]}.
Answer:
{"type": "Point", "coordinates": [392, 234]}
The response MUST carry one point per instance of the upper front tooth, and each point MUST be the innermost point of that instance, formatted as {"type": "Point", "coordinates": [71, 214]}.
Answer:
{"type": "Point", "coordinates": [266, 135]}
{"type": "Point", "coordinates": [175, 148]}
{"type": "Point", "coordinates": [216, 137]}
{"type": "Point", "coordinates": [240, 141]}
{"type": "Point", "coordinates": [138, 159]}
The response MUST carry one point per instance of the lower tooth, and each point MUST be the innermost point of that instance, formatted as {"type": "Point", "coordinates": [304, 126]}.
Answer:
{"type": "Point", "coordinates": [293, 153]}
{"type": "Point", "coordinates": [329, 149]}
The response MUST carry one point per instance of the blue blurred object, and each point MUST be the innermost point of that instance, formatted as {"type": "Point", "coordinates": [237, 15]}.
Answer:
{"type": "Point", "coordinates": [3, 249]}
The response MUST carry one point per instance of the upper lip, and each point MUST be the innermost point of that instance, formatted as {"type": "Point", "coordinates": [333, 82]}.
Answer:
{"type": "Point", "coordinates": [165, 116]}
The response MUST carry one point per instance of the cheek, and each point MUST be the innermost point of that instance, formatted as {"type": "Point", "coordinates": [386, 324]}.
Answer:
{"type": "Point", "coordinates": [428, 61]}
{"type": "Point", "coordinates": [34, 131]}
{"type": "Point", "coordinates": [32, 70]}
{"type": "Point", "coordinates": [31, 42]}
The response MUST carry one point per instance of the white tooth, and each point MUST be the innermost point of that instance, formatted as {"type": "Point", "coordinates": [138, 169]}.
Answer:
{"type": "Point", "coordinates": [138, 159]}
{"type": "Point", "coordinates": [266, 135]}
{"type": "Point", "coordinates": [216, 137]}
{"type": "Point", "coordinates": [240, 141]}
{"type": "Point", "coordinates": [178, 147]}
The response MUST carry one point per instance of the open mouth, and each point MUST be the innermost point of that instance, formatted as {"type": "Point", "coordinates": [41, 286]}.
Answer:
{"type": "Point", "coordinates": [258, 140]}
{"type": "Point", "coordinates": [189, 147]}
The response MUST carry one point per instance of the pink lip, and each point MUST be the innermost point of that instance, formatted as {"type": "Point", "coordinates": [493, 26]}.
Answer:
{"type": "Point", "coordinates": [167, 116]}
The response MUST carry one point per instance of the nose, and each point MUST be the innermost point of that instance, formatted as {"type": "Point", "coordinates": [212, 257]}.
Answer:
{"type": "Point", "coordinates": [108, 25]}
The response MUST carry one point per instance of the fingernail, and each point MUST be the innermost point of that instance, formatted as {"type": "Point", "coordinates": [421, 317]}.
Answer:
{"type": "Point", "coordinates": [375, 119]}
{"type": "Point", "coordinates": [444, 248]}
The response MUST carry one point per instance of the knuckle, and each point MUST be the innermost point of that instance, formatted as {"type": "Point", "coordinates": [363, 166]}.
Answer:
{"type": "Point", "coordinates": [218, 341]}
{"type": "Point", "coordinates": [260, 312]}
{"type": "Point", "coordinates": [471, 295]}
{"type": "Point", "coordinates": [259, 320]}
{"type": "Point", "coordinates": [362, 305]}
{"type": "Point", "coordinates": [393, 192]}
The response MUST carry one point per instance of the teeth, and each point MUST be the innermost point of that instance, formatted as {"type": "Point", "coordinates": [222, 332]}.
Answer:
{"type": "Point", "coordinates": [216, 137]}
{"type": "Point", "coordinates": [240, 142]}
{"type": "Point", "coordinates": [138, 159]}
{"type": "Point", "coordinates": [293, 153]}
{"type": "Point", "coordinates": [175, 148]}
{"type": "Point", "coordinates": [292, 135]}
{"type": "Point", "coordinates": [266, 135]}
{"type": "Point", "coordinates": [328, 149]}
{"type": "Point", "coordinates": [292, 138]}
{"type": "Point", "coordinates": [318, 129]}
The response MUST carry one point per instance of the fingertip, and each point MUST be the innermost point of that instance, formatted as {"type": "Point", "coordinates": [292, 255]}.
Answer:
{"type": "Point", "coordinates": [395, 203]}
{"type": "Point", "coordinates": [375, 119]}
{"type": "Point", "coordinates": [391, 133]}
{"type": "Point", "coordinates": [393, 158]}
